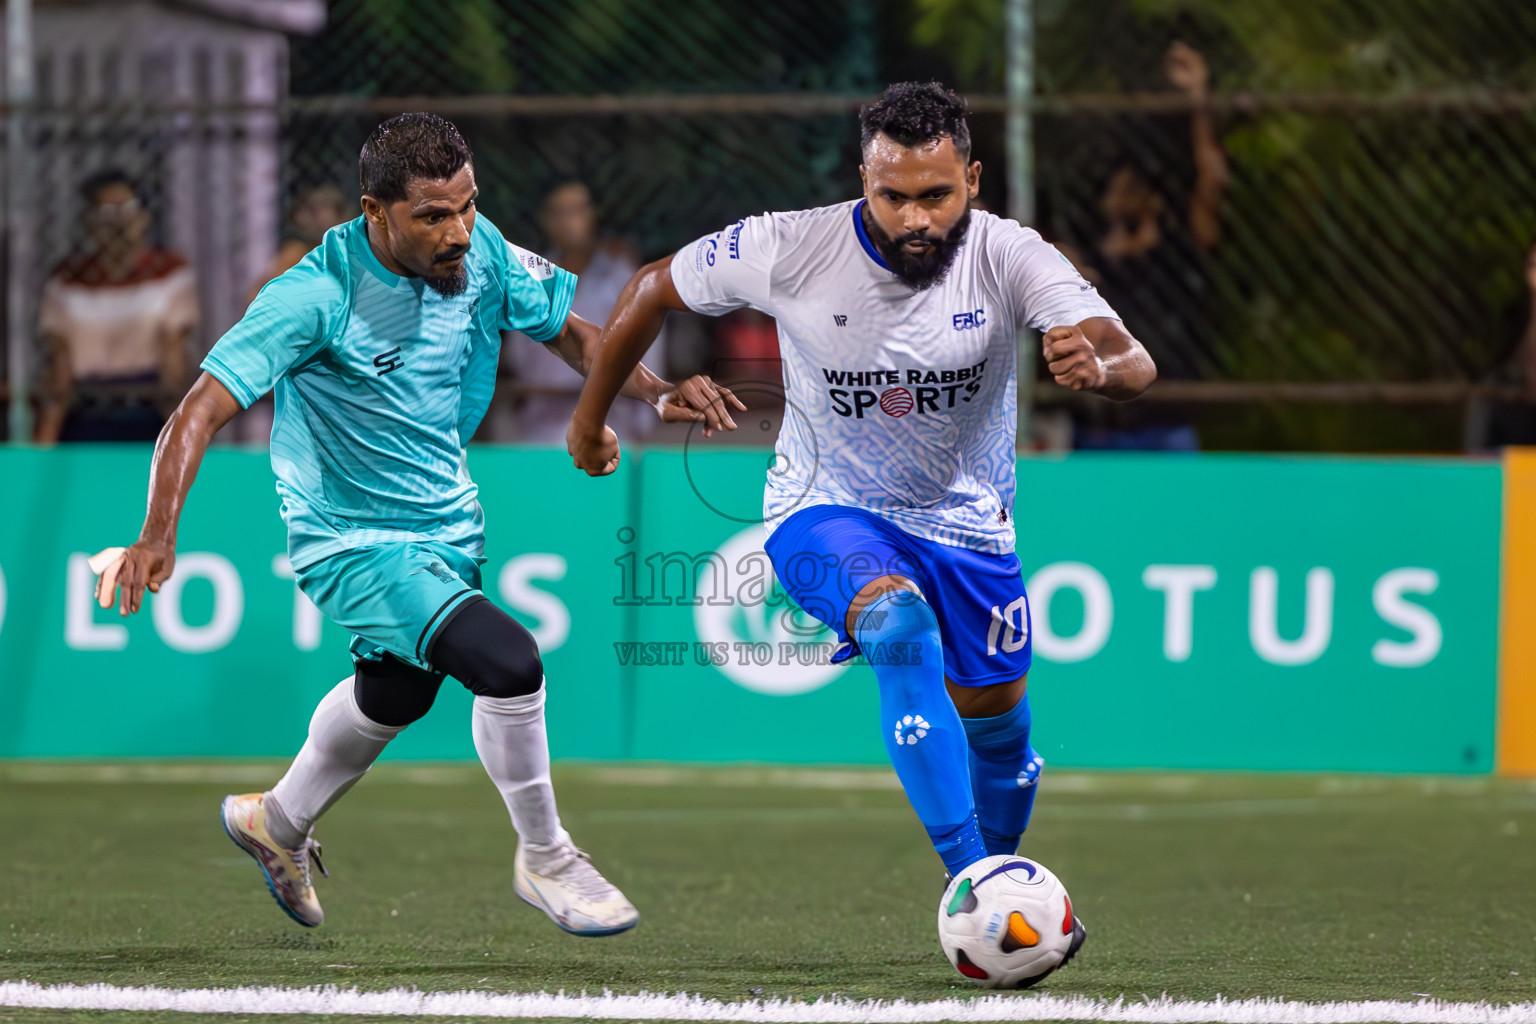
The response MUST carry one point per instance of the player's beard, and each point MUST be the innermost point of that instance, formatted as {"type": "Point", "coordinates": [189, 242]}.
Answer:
{"type": "Point", "coordinates": [921, 272]}
{"type": "Point", "coordinates": [449, 285]}
{"type": "Point", "coordinates": [452, 283]}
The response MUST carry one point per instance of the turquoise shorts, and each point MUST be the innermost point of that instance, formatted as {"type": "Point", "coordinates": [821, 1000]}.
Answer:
{"type": "Point", "coordinates": [393, 598]}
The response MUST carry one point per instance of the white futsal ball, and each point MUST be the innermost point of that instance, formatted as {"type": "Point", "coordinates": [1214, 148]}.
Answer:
{"type": "Point", "coordinates": [1007, 922]}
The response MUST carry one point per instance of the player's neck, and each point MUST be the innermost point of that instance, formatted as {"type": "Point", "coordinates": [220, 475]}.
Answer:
{"type": "Point", "coordinates": [381, 253]}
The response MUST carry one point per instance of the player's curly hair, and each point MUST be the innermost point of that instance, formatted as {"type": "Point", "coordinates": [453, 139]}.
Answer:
{"type": "Point", "coordinates": [913, 113]}
{"type": "Point", "coordinates": [409, 146]}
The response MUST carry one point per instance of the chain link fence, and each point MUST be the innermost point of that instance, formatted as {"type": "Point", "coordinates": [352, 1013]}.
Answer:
{"type": "Point", "coordinates": [1315, 215]}
{"type": "Point", "coordinates": [679, 117]}
{"type": "Point", "coordinates": [1364, 172]}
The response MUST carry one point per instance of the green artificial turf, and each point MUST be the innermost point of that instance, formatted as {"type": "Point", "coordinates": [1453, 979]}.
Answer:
{"type": "Point", "coordinates": [756, 883]}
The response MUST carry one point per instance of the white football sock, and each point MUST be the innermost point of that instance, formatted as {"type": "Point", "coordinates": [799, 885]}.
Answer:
{"type": "Point", "coordinates": [343, 743]}
{"type": "Point", "coordinates": [512, 744]}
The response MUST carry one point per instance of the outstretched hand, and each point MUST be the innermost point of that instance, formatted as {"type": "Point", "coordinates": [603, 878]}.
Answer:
{"type": "Point", "coordinates": [700, 400]}
{"type": "Point", "coordinates": [124, 575]}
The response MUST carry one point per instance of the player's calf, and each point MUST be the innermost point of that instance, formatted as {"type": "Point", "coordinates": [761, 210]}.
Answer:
{"type": "Point", "coordinates": [1005, 775]}
{"type": "Point", "coordinates": [899, 636]}
{"type": "Point", "coordinates": [349, 729]}
{"type": "Point", "coordinates": [496, 658]}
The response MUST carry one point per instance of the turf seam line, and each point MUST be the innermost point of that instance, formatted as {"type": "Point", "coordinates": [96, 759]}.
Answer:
{"type": "Point", "coordinates": [411, 1002]}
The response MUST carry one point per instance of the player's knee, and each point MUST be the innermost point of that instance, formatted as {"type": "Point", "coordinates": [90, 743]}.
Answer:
{"type": "Point", "coordinates": [873, 593]}
{"type": "Point", "coordinates": [392, 692]}
{"type": "Point", "coordinates": [512, 669]}
{"type": "Point", "coordinates": [898, 634]}
{"type": "Point", "coordinates": [898, 612]}
{"type": "Point", "coordinates": [489, 652]}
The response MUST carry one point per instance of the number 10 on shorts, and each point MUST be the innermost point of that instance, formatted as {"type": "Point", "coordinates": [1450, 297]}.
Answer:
{"type": "Point", "coordinates": [1010, 625]}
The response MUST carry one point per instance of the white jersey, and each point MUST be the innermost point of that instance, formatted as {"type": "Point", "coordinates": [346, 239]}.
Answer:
{"type": "Point", "coordinates": [897, 401]}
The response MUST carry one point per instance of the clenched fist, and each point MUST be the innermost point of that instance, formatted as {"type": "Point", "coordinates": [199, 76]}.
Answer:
{"type": "Point", "coordinates": [1072, 360]}
{"type": "Point", "coordinates": [593, 449]}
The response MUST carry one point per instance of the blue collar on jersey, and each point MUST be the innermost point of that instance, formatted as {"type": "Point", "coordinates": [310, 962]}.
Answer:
{"type": "Point", "coordinates": [858, 228]}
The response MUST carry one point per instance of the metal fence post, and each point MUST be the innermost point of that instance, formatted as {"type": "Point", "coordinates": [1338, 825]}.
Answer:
{"type": "Point", "coordinates": [18, 329]}
{"type": "Point", "coordinates": [1021, 184]}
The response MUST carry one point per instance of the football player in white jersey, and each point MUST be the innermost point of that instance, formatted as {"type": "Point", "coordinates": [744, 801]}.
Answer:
{"type": "Point", "coordinates": [890, 509]}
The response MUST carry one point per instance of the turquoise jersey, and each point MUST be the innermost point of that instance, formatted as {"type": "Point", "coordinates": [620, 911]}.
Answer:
{"type": "Point", "coordinates": [380, 382]}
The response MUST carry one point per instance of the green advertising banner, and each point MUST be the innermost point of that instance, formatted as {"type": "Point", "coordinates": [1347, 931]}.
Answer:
{"type": "Point", "coordinates": [1188, 612]}
{"type": "Point", "coordinates": [230, 659]}
{"type": "Point", "coordinates": [1220, 612]}
{"type": "Point", "coordinates": [1266, 613]}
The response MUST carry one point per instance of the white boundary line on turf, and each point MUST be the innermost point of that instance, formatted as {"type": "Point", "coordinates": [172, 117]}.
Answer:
{"type": "Point", "coordinates": [409, 1002]}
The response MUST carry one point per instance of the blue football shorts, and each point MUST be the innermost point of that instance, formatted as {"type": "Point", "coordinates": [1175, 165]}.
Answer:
{"type": "Point", "coordinates": [393, 597]}
{"type": "Point", "coordinates": [823, 556]}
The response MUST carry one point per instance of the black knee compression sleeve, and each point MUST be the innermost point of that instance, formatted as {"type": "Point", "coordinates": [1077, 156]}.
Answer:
{"type": "Point", "coordinates": [488, 651]}
{"type": "Point", "coordinates": [393, 692]}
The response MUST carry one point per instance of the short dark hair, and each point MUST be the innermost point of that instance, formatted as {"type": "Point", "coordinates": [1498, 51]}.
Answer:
{"type": "Point", "coordinates": [409, 146]}
{"type": "Point", "coordinates": [913, 113]}
{"type": "Point", "coordinates": [93, 186]}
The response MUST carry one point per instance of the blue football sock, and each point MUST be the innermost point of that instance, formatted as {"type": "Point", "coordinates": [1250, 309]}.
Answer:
{"type": "Point", "coordinates": [1005, 774]}
{"type": "Point", "coordinates": [899, 636]}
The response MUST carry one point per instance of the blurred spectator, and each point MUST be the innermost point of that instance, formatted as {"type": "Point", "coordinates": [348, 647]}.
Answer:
{"type": "Point", "coordinates": [1150, 262]}
{"type": "Point", "coordinates": [1492, 423]}
{"type": "Point", "coordinates": [547, 389]}
{"type": "Point", "coordinates": [114, 320]}
{"type": "Point", "coordinates": [315, 212]}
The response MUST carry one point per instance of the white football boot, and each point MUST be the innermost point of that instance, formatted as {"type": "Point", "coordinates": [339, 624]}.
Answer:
{"type": "Point", "coordinates": [574, 895]}
{"type": "Point", "coordinates": [286, 871]}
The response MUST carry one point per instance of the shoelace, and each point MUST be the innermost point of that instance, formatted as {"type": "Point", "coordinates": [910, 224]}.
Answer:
{"type": "Point", "coordinates": [580, 875]}
{"type": "Point", "coordinates": [301, 857]}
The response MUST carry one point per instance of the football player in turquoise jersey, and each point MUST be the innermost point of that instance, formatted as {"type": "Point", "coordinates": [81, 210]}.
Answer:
{"type": "Point", "coordinates": [382, 346]}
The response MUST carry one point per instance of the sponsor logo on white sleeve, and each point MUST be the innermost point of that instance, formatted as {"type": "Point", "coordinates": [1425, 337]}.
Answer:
{"type": "Point", "coordinates": [539, 268]}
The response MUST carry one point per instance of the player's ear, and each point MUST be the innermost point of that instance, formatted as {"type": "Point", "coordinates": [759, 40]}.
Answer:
{"type": "Point", "coordinates": [373, 210]}
{"type": "Point", "coordinates": [973, 179]}
{"type": "Point", "coordinates": [863, 180]}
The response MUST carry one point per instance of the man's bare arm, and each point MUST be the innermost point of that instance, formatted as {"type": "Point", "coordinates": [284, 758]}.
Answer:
{"type": "Point", "coordinates": [1186, 69]}
{"type": "Point", "coordinates": [577, 345]}
{"type": "Point", "coordinates": [1099, 355]}
{"type": "Point", "coordinates": [696, 400]}
{"type": "Point", "coordinates": [178, 454]}
{"type": "Point", "coordinates": [632, 327]}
